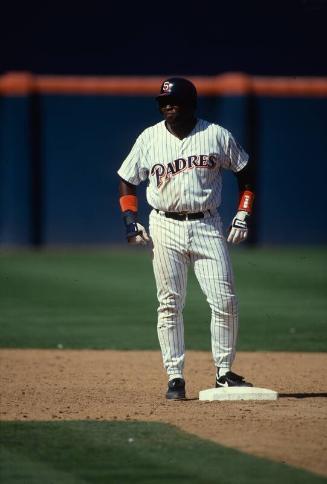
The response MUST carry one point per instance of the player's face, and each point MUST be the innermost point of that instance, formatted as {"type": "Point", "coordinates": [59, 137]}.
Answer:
{"type": "Point", "coordinates": [175, 111]}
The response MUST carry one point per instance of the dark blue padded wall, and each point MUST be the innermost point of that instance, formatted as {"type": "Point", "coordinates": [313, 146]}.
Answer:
{"type": "Point", "coordinates": [292, 170]}
{"type": "Point", "coordinates": [231, 113]}
{"type": "Point", "coordinates": [15, 171]}
{"type": "Point", "coordinates": [84, 139]}
{"type": "Point", "coordinates": [84, 142]}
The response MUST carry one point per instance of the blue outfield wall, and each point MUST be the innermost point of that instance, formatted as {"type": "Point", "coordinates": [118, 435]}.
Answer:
{"type": "Point", "coordinates": [83, 140]}
{"type": "Point", "coordinates": [292, 154]}
{"type": "Point", "coordinates": [15, 171]}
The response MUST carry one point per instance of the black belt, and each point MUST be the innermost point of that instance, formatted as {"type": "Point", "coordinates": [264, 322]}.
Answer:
{"type": "Point", "coordinates": [184, 216]}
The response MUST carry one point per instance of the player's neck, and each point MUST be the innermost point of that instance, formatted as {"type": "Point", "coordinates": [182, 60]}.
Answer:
{"type": "Point", "coordinates": [181, 130]}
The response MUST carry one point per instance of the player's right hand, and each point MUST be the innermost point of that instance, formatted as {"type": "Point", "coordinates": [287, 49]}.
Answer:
{"type": "Point", "coordinates": [140, 236]}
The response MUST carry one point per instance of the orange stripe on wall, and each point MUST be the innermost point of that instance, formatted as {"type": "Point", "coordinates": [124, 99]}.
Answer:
{"type": "Point", "coordinates": [290, 86]}
{"type": "Point", "coordinates": [24, 83]}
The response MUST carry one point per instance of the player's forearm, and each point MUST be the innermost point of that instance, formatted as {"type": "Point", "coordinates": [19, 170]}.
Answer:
{"type": "Point", "coordinates": [126, 188]}
{"type": "Point", "coordinates": [246, 186]}
{"type": "Point", "coordinates": [239, 228]}
{"type": "Point", "coordinates": [246, 179]}
{"type": "Point", "coordinates": [128, 204]}
{"type": "Point", "coordinates": [135, 232]}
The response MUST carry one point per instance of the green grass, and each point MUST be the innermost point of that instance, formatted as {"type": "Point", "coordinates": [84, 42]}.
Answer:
{"type": "Point", "coordinates": [107, 299]}
{"type": "Point", "coordinates": [127, 452]}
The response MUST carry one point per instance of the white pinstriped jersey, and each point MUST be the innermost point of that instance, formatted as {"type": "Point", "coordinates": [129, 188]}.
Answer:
{"type": "Point", "coordinates": [183, 175]}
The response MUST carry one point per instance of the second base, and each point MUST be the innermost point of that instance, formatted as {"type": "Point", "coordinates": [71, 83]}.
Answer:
{"type": "Point", "coordinates": [238, 393]}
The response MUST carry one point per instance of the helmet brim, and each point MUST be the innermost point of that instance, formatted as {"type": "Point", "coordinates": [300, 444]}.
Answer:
{"type": "Point", "coordinates": [174, 97]}
{"type": "Point", "coordinates": [167, 94]}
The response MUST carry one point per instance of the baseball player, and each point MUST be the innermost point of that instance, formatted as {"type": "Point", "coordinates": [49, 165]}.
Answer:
{"type": "Point", "coordinates": [182, 158]}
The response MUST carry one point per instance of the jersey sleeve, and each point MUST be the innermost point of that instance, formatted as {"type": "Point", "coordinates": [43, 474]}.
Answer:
{"type": "Point", "coordinates": [236, 157]}
{"type": "Point", "coordinates": [132, 169]}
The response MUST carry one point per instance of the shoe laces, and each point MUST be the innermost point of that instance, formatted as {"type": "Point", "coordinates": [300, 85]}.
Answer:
{"type": "Point", "coordinates": [177, 382]}
{"type": "Point", "coordinates": [231, 376]}
{"type": "Point", "coordinates": [234, 376]}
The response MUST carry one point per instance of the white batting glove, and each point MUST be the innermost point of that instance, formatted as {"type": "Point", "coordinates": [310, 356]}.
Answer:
{"type": "Point", "coordinates": [238, 231]}
{"type": "Point", "coordinates": [141, 237]}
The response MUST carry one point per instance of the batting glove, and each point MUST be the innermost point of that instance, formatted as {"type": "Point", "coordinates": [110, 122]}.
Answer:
{"type": "Point", "coordinates": [139, 236]}
{"type": "Point", "coordinates": [239, 228]}
{"type": "Point", "coordinates": [135, 232]}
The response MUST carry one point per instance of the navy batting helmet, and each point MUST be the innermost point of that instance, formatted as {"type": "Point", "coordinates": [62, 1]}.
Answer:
{"type": "Point", "coordinates": [179, 88]}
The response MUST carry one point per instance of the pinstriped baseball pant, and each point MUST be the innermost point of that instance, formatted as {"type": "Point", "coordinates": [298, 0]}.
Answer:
{"type": "Point", "coordinates": [177, 245]}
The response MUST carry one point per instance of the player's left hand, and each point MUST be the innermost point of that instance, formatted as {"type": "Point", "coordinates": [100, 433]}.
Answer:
{"type": "Point", "coordinates": [238, 231]}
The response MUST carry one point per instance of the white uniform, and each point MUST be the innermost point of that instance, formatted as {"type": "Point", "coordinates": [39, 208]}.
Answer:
{"type": "Point", "coordinates": [185, 176]}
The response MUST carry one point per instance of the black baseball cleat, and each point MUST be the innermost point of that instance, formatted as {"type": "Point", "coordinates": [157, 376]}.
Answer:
{"type": "Point", "coordinates": [231, 380]}
{"type": "Point", "coordinates": [176, 389]}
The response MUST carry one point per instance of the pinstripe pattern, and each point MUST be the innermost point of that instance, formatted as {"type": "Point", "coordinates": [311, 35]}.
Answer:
{"type": "Point", "coordinates": [213, 269]}
{"type": "Point", "coordinates": [185, 175]}
{"type": "Point", "coordinates": [192, 189]}
{"type": "Point", "coordinates": [176, 246]}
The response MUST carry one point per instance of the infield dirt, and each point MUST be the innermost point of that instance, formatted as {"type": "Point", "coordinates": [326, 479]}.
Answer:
{"type": "Point", "coordinates": [130, 385]}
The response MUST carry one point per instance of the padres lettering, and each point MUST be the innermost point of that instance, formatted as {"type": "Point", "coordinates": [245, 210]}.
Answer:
{"type": "Point", "coordinates": [162, 172]}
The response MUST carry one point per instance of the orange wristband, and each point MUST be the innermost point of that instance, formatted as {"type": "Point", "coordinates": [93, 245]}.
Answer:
{"type": "Point", "coordinates": [128, 202]}
{"type": "Point", "coordinates": [246, 201]}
